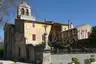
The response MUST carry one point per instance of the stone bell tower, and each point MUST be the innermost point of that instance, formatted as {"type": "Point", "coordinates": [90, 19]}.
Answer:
{"type": "Point", "coordinates": [24, 12]}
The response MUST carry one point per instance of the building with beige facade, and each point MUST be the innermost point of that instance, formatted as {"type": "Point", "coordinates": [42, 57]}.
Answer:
{"type": "Point", "coordinates": [23, 38]}
{"type": "Point", "coordinates": [77, 33]}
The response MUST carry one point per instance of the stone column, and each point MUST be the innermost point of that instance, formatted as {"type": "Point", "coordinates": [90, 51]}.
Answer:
{"type": "Point", "coordinates": [46, 52]}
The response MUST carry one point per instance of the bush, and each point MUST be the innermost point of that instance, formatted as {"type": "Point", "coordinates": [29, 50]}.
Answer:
{"type": "Point", "coordinates": [92, 59]}
{"type": "Point", "coordinates": [77, 62]}
{"type": "Point", "coordinates": [14, 60]}
{"type": "Point", "coordinates": [75, 59]}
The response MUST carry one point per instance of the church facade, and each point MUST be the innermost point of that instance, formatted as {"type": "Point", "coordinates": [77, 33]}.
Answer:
{"type": "Point", "coordinates": [24, 38]}
{"type": "Point", "coordinates": [21, 38]}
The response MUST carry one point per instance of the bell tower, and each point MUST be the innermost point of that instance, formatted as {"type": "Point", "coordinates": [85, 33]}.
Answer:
{"type": "Point", "coordinates": [24, 12]}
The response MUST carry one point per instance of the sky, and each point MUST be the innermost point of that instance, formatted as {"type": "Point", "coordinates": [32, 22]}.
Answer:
{"type": "Point", "coordinates": [77, 11]}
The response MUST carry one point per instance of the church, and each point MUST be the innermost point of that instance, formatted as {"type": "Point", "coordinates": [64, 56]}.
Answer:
{"type": "Point", "coordinates": [22, 38]}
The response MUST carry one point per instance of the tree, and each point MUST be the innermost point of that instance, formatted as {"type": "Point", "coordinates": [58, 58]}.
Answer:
{"type": "Point", "coordinates": [5, 5]}
{"type": "Point", "coordinates": [1, 52]}
{"type": "Point", "coordinates": [93, 37]}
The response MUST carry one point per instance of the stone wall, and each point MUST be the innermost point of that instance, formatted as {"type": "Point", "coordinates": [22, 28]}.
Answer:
{"type": "Point", "coordinates": [67, 58]}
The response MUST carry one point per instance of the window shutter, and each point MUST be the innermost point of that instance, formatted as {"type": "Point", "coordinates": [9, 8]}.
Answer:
{"type": "Point", "coordinates": [33, 24]}
{"type": "Point", "coordinates": [88, 34]}
{"type": "Point", "coordinates": [34, 37]}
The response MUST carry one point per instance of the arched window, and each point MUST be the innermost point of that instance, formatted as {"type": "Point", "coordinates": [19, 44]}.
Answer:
{"type": "Point", "coordinates": [27, 12]}
{"type": "Point", "coordinates": [22, 11]}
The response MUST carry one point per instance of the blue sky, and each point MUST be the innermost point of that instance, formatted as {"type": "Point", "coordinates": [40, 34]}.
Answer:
{"type": "Point", "coordinates": [78, 11]}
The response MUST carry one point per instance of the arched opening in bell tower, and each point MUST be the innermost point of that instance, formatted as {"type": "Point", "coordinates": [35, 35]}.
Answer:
{"type": "Point", "coordinates": [27, 12]}
{"type": "Point", "coordinates": [22, 11]}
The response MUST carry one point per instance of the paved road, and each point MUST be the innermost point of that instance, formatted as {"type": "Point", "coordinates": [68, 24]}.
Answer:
{"type": "Point", "coordinates": [10, 62]}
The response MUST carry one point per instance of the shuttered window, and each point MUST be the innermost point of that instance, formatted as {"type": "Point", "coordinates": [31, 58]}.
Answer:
{"type": "Point", "coordinates": [88, 34]}
{"type": "Point", "coordinates": [34, 37]}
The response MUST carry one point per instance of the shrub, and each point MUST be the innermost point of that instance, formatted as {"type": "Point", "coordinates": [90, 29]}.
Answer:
{"type": "Point", "coordinates": [14, 60]}
{"type": "Point", "coordinates": [92, 59]}
{"type": "Point", "coordinates": [75, 59]}
{"type": "Point", "coordinates": [77, 62]}
{"type": "Point", "coordinates": [87, 61]}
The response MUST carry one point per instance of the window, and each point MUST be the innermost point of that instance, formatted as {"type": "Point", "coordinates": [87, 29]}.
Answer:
{"type": "Point", "coordinates": [19, 51]}
{"type": "Point", "coordinates": [22, 11]}
{"type": "Point", "coordinates": [27, 12]}
{"type": "Point", "coordinates": [89, 34]}
{"type": "Point", "coordinates": [34, 37]}
{"type": "Point", "coordinates": [33, 24]}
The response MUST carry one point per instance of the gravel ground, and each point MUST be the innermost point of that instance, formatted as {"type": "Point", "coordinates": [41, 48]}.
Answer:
{"type": "Point", "coordinates": [93, 63]}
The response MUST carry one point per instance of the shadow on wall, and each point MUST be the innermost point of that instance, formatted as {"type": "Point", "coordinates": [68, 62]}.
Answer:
{"type": "Point", "coordinates": [39, 53]}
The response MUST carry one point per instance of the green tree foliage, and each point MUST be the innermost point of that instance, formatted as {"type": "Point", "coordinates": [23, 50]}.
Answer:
{"type": "Point", "coordinates": [92, 38]}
